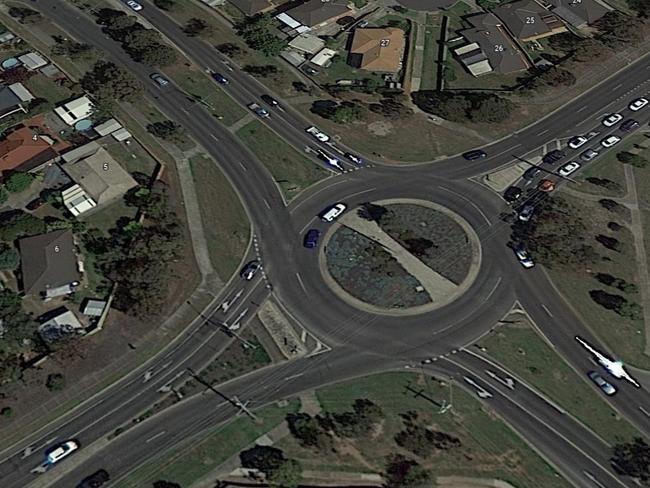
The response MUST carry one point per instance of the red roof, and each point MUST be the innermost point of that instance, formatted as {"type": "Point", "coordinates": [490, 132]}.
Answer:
{"type": "Point", "coordinates": [22, 150]}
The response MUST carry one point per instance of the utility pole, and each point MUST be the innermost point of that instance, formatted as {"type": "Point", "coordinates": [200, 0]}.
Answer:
{"type": "Point", "coordinates": [243, 407]}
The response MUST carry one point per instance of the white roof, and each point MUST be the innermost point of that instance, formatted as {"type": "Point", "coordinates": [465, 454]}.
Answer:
{"type": "Point", "coordinates": [480, 68]}
{"type": "Point", "coordinates": [32, 60]}
{"type": "Point", "coordinates": [6, 36]}
{"type": "Point", "coordinates": [66, 319]}
{"type": "Point", "coordinates": [76, 200]}
{"type": "Point", "coordinates": [323, 57]}
{"type": "Point", "coordinates": [21, 92]}
{"type": "Point", "coordinates": [94, 308]}
{"type": "Point", "coordinates": [75, 110]}
{"type": "Point", "coordinates": [308, 43]}
{"type": "Point", "coordinates": [121, 134]}
{"type": "Point", "coordinates": [111, 125]}
{"type": "Point", "coordinates": [288, 20]}
{"type": "Point", "coordinates": [468, 48]}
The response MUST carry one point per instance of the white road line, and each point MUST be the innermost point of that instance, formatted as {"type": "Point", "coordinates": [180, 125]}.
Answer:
{"type": "Point", "coordinates": [543, 132]}
{"type": "Point", "coordinates": [617, 87]}
{"type": "Point", "coordinates": [155, 437]}
{"type": "Point", "coordinates": [293, 376]}
{"type": "Point", "coordinates": [266, 203]}
{"type": "Point", "coordinates": [494, 288]}
{"type": "Point", "coordinates": [547, 310]}
{"type": "Point", "coordinates": [214, 137]}
{"type": "Point", "coordinates": [361, 192]}
{"type": "Point", "coordinates": [582, 109]}
{"type": "Point", "coordinates": [643, 410]}
{"type": "Point", "coordinates": [336, 182]}
{"type": "Point", "coordinates": [242, 165]}
{"type": "Point", "coordinates": [308, 224]}
{"type": "Point", "coordinates": [468, 201]}
{"type": "Point", "coordinates": [301, 283]}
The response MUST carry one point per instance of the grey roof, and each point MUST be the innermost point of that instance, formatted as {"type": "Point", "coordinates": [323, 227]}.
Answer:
{"type": "Point", "coordinates": [315, 12]}
{"type": "Point", "coordinates": [8, 98]}
{"type": "Point", "coordinates": [251, 7]}
{"type": "Point", "coordinates": [94, 307]}
{"type": "Point", "coordinates": [473, 57]}
{"type": "Point", "coordinates": [578, 13]}
{"type": "Point", "coordinates": [488, 32]}
{"type": "Point", "coordinates": [527, 18]}
{"type": "Point", "coordinates": [48, 261]}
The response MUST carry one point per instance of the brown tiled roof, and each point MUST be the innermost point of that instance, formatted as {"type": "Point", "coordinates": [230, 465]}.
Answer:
{"type": "Point", "coordinates": [21, 150]}
{"type": "Point", "coordinates": [378, 50]}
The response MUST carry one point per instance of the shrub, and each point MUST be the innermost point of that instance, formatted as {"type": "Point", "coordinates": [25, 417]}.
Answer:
{"type": "Point", "coordinates": [18, 182]}
{"type": "Point", "coordinates": [55, 382]}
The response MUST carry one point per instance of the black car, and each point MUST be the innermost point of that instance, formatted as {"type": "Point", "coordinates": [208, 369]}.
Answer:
{"type": "Point", "coordinates": [219, 78]}
{"type": "Point", "coordinates": [475, 154]}
{"type": "Point", "coordinates": [353, 158]}
{"type": "Point", "coordinates": [629, 124]}
{"type": "Point", "coordinates": [311, 238]}
{"type": "Point", "coordinates": [531, 172]}
{"type": "Point", "coordinates": [553, 156]}
{"type": "Point", "coordinates": [270, 100]}
{"type": "Point", "coordinates": [512, 194]}
{"type": "Point", "coordinates": [36, 203]}
{"type": "Point", "coordinates": [95, 480]}
{"type": "Point", "coordinates": [249, 271]}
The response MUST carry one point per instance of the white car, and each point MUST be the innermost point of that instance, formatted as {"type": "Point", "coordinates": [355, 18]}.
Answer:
{"type": "Point", "coordinates": [60, 451]}
{"type": "Point", "coordinates": [612, 119]}
{"type": "Point", "coordinates": [569, 168]}
{"type": "Point", "coordinates": [577, 141]}
{"type": "Point", "coordinates": [321, 136]}
{"type": "Point", "coordinates": [610, 141]}
{"type": "Point", "coordinates": [134, 5]}
{"type": "Point", "coordinates": [638, 104]}
{"type": "Point", "coordinates": [332, 213]}
{"type": "Point", "coordinates": [523, 256]}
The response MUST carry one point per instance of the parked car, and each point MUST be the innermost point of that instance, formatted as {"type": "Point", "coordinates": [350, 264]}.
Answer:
{"type": "Point", "coordinates": [512, 194]}
{"type": "Point", "coordinates": [638, 104]}
{"type": "Point", "coordinates": [546, 185]}
{"type": "Point", "coordinates": [314, 131]}
{"type": "Point", "coordinates": [577, 141]}
{"type": "Point", "coordinates": [526, 213]}
{"type": "Point", "coordinates": [133, 5]}
{"type": "Point", "coordinates": [259, 110]}
{"type": "Point", "coordinates": [475, 154]}
{"type": "Point", "coordinates": [333, 212]}
{"type": "Point", "coordinates": [60, 451]}
{"type": "Point", "coordinates": [249, 271]}
{"type": "Point", "coordinates": [610, 141]}
{"type": "Point", "coordinates": [353, 158]}
{"type": "Point", "coordinates": [310, 71]}
{"type": "Point", "coordinates": [159, 79]}
{"type": "Point", "coordinates": [612, 119]}
{"type": "Point", "coordinates": [569, 168]}
{"type": "Point", "coordinates": [531, 172]}
{"type": "Point", "coordinates": [553, 156]}
{"type": "Point", "coordinates": [362, 24]}
{"type": "Point", "coordinates": [522, 256]}
{"type": "Point", "coordinates": [35, 204]}
{"type": "Point", "coordinates": [628, 125]}
{"type": "Point", "coordinates": [95, 480]}
{"type": "Point", "coordinates": [606, 387]}
{"type": "Point", "coordinates": [219, 78]}
{"type": "Point", "coordinates": [311, 238]}
{"type": "Point", "coordinates": [270, 100]}
{"type": "Point", "coordinates": [589, 154]}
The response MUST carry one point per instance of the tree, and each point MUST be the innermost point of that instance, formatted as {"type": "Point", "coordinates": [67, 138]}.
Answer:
{"type": "Point", "coordinates": [18, 181]}
{"type": "Point", "coordinates": [229, 49]}
{"type": "Point", "coordinates": [610, 243]}
{"type": "Point", "coordinates": [165, 4]}
{"type": "Point", "coordinates": [167, 130]}
{"type": "Point", "coordinates": [108, 82]}
{"type": "Point", "coordinates": [25, 15]}
{"type": "Point", "coordinates": [263, 458]}
{"type": "Point", "coordinates": [418, 246]}
{"type": "Point", "coordinates": [641, 7]}
{"type": "Point", "coordinates": [9, 257]}
{"type": "Point", "coordinates": [55, 382]}
{"type": "Point", "coordinates": [74, 50]}
{"type": "Point", "coordinates": [607, 300]}
{"type": "Point", "coordinates": [263, 71]}
{"type": "Point", "coordinates": [609, 204]}
{"type": "Point", "coordinates": [462, 105]}
{"type": "Point", "coordinates": [416, 439]}
{"type": "Point", "coordinates": [287, 475]}
{"type": "Point", "coordinates": [346, 113]}
{"type": "Point", "coordinates": [632, 159]}
{"type": "Point", "coordinates": [371, 211]}
{"type": "Point", "coordinates": [165, 484]}
{"type": "Point", "coordinates": [618, 30]}
{"type": "Point", "coordinates": [553, 77]}
{"type": "Point", "coordinates": [16, 223]}
{"type": "Point", "coordinates": [257, 35]}
{"type": "Point", "coordinates": [603, 182]}
{"type": "Point", "coordinates": [196, 26]}
{"type": "Point", "coordinates": [160, 55]}
{"type": "Point", "coordinates": [309, 431]}
{"type": "Point", "coordinates": [402, 472]}
{"type": "Point", "coordinates": [633, 459]}
{"type": "Point", "coordinates": [614, 226]}
{"type": "Point", "coordinates": [363, 417]}
{"type": "Point", "coordinates": [18, 326]}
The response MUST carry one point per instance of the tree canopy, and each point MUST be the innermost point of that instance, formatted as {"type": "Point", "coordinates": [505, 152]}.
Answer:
{"type": "Point", "coordinates": [108, 82]}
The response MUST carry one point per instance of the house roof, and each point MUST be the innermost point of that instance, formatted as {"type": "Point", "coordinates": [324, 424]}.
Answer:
{"type": "Point", "coordinates": [323, 57]}
{"type": "Point", "coordinates": [527, 19]}
{"type": "Point", "coordinates": [252, 7]}
{"type": "Point", "coordinates": [105, 128]}
{"type": "Point", "coordinates": [308, 43]}
{"type": "Point", "coordinates": [24, 150]}
{"type": "Point", "coordinates": [316, 12]}
{"type": "Point", "coordinates": [76, 200]}
{"type": "Point", "coordinates": [378, 49]}
{"type": "Point", "coordinates": [21, 92]}
{"type": "Point", "coordinates": [578, 13]}
{"type": "Point", "coordinates": [488, 32]}
{"type": "Point", "coordinates": [100, 176]}
{"type": "Point", "coordinates": [94, 307]}
{"type": "Point", "coordinates": [32, 60]}
{"type": "Point", "coordinates": [8, 99]}
{"type": "Point", "coordinates": [75, 110]}
{"type": "Point", "coordinates": [48, 261]}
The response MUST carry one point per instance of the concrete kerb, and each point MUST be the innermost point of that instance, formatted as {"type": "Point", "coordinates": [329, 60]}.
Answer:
{"type": "Point", "coordinates": [462, 288]}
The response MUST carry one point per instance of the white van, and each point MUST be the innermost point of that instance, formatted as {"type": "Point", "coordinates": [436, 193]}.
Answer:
{"type": "Point", "coordinates": [331, 214]}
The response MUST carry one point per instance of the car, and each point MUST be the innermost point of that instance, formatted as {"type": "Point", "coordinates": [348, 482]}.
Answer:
{"type": "Point", "coordinates": [474, 155]}
{"type": "Point", "coordinates": [249, 271]}
{"type": "Point", "coordinates": [159, 79]}
{"type": "Point", "coordinates": [310, 71]}
{"type": "Point", "coordinates": [628, 125]}
{"type": "Point", "coordinates": [526, 213]}
{"type": "Point", "coordinates": [311, 238]}
{"type": "Point", "coordinates": [333, 212]}
{"type": "Point", "coordinates": [610, 141]}
{"type": "Point", "coordinates": [270, 100]}
{"type": "Point", "coordinates": [362, 24]}
{"type": "Point", "coordinates": [353, 158]}
{"type": "Point", "coordinates": [553, 156]}
{"type": "Point", "coordinates": [219, 78]}
{"type": "Point", "coordinates": [512, 194]}
{"type": "Point", "coordinates": [611, 120]}
{"type": "Point", "coordinates": [36, 203]}
{"type": "Point", "coordinates": [589, 154]}
{"type": "Point", "coordinates": [314, 131]}
{"type": "Point", "coordinates": [60, 451]}
{"type": "Point", "coordinates": [531, 172]}
{"type": "Point", "coordinates": [259, 110]}
{"type": "Point", "coordinates": [607, 388]}
{"type": "Point", "coordinates": [546, 185]}
{"type": "Point", "coordinates": [638, 104]}
{"type": "Point", "coordinates": [569, 168]}
{"type": "Point", "coordinates": [577, 141]}
{"type": "Point", "coordinates": [95, 480]}
{"type": "Point", "coordinates": [134, 5]}
{"type": "Point", "coordinates": [522, 256]}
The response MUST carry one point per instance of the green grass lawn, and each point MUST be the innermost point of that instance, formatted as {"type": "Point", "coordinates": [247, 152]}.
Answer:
{"type": "Point", "coordinates": [489, 449]}
{"type": "Point", "coordinates": [43, 87]}
{"type": "Point", "coordinates": [226, 224]}
{"type": "Point", "coordinates": [522, 351]}
{"type": "Point", "coordinates": [292, 171]}
{"type": "Point", "coordinates": [191, 463]}
{"type": "Point", "coordinates": [133, 158]}
{"type": "Point", "coordinates": [430, 53]}
{"type": "Point", "coordinates": [605, 167]}
{"type": "Point", "coordinates": [105, 218]}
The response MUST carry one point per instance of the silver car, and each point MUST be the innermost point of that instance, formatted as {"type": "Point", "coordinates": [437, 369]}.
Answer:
{"type": "Point", "coordinates": [608, 388]}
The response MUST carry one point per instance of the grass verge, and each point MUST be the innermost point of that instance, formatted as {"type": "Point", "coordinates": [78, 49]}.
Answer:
{"type": "Point", "coordinates": [429, 72]}
{"type": "Point", "coordinates": [522, 351]}
{"type": "Point", "coordinates": [225, 221]}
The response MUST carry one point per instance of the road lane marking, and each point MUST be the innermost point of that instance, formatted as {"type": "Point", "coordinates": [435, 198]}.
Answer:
{"type": "Point", "coordinates": [361, 192]}
{"type": "Point", "coordinates": [543, 132]}
{"type": "Point", "coordinates": [494, 288]}
{"type": "Point", "coordinates": [617, 87]}
{"type": "Point", "coordinates": [301, 283]}
{"type": "Point", "coordinates": [266, 203]}
{"type": "Point", "coordinates": [468, 201]}
{"type": "Point", "coordinates": [293, 376]}
{"type": "Point", "coordinates": [334, 182]}
{"type": "Point", "coordinates": [242, 165]}
{"type": "Point", "coordinates": [306, 225]}
{"type": "Point", "coordinates": [546, 310]}
{"type": "Point", "coordinates": [155, 436]}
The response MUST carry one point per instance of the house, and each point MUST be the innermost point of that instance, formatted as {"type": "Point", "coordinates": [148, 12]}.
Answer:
{"type": "Point", "coordinates": [108, 127]}
{"type": "Point", "coordinates": [528, 20]}
{"type": "Point", "coordinates": [99, 179]}
{"type": "Point", "coordinates": [26, 150]}
{"type": "Point", "coordinates": [13, 98]}
{"type": "Point", "coordinates": [48, 261]}
{"type": "Point", "coordinates": [380, 50]}
{"type": "Point", "coordinates": [253, 7]}
{"type": "Point", "coordinates": [323, 57]}
{"type": "Point", "coordinates": [75, 110]}
{"type": "Point", "coordinates": [579, 14]}
{"type": "Point", "coordinates": [93, 308]}
{"type": "Point", "coordinates": [307, 43]}
{"type": "Point", "coordinates": [489, 38]}
{"type": "Point", "coordinates": [59, 326]}
{"type": "Point", "coordinates": [32, 61]}
{"type": "Point", "coordinates": [314, 14]}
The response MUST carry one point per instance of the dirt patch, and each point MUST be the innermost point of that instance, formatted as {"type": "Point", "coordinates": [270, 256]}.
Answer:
{"type": "Point", "coordinates": [380, 128]}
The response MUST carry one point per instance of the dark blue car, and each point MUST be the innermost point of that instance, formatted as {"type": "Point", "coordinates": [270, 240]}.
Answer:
{"type": "Point", "coordinates": [220, 78]}
{"type": "Point", "coordinates": [311, 238]}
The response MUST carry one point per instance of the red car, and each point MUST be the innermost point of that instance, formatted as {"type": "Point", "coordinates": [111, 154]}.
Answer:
{"type": "Point", "coordinates": [546, 185]}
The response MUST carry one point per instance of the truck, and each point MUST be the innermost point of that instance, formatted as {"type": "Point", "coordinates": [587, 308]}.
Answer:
{"type": "Point", "coordinates": [261, 112]}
